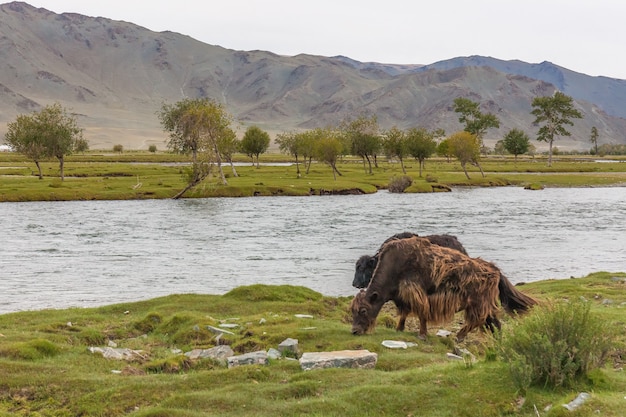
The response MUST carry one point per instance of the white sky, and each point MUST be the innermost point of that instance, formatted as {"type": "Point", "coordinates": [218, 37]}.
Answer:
{"type": "Point", "coordinates": [587, 36]}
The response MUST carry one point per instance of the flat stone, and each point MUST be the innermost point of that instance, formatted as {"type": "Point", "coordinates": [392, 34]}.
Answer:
{"type": "Point", "coordinates": [228, 325]}
{"type": "Point", "coordinates": [217, 330]}
{"type": "Point", "coordinates": [443, 333]}
{"type": "Point", "coordinates": [303, 316]}
{"type": "Point", "coordinates": [394, 344]}
{"type": "Point", "coordinates": [288, 345]}
{"type": "Point", "coordinates": [221, 352]}
{"type": "Point", "coordinates": [117, 353]}
{"type": "Point", "coordinates": [361, 359]}
{"type": "Point", "coordinates": [253, 358]}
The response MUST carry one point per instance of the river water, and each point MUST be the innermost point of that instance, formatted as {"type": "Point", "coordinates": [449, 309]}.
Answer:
{"type": "Point", "coordinates": [82, 254]}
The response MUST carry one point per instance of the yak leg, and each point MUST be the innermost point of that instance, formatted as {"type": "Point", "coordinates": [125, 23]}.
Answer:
{"type": "Point", "coordinates": [493, 324]}
{"type": "Point", "coordinates": [402, 320]}
{"type": "Point", "coordinates": [473, 319]}
{"type": "Point", "coordinates": [423, 328]}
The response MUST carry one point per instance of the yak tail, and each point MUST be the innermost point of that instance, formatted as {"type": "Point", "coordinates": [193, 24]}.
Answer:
{"type": "Point", "coordinates": [512, 299]}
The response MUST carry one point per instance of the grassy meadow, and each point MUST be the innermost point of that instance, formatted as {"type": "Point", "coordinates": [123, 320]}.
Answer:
{"type": "Point", "coordinates": [47, 369]}
{"type": "Point", "coordinates": [143, 175]}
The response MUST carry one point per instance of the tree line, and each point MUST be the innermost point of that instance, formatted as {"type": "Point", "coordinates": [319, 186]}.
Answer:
{"type": "Point", "coordinates": [202, 128]}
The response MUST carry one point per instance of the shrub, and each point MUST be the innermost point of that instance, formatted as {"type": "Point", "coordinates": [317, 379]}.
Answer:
{"type": "Point", "coordinates": [399, 184]}
{"type": "Point", "coordinates": [152, 148]}
{"type": "Point", "coordinates": [555, 345]}
{"type": "Point", "coordinates": [118, 148]}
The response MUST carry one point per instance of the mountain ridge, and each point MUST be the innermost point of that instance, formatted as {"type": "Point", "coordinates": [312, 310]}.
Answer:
{"type": "Point", "coordinates": [115, 75]}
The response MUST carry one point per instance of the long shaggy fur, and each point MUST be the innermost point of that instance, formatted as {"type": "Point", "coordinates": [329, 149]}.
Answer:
{"type": "Point", "coordinates": [434, 283]}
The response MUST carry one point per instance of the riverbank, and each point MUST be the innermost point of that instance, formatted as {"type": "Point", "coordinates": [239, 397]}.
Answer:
{"type": "Point", "coordinates": [148, 176]}
{"type": "Point", "coordinates": [48, 369]}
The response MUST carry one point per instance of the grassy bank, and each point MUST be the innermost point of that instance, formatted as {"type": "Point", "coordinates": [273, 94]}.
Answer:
{"type": "Point", "coordinates": [142, 175]}
{"type": "Point", "coordinates": [47, 369]}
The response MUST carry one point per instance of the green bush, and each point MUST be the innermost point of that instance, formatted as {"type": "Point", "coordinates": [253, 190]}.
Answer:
{"type": "Point", "coordinates": [152, 148]}
{"type": "Point", "coordinates": [555, 345]}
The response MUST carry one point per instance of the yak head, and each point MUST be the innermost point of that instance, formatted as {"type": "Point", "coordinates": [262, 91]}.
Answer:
{"type": "Point", "coordinates": [363, 314]}
{"type": "Point", "coordinates": [363, 271]}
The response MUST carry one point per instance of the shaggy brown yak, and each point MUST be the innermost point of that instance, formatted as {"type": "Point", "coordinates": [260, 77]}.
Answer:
{"type": "Point", "coordinates": [434, 283]}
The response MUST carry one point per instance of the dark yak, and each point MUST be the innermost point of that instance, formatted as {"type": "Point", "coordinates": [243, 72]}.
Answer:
{"type": "Point", "coordinates": [366, 264]}
{"type": "Point", "coordinates": [434, 283]}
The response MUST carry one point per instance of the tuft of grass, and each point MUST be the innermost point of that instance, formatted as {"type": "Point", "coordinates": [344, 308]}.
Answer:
{"type": "Point", "coordinates": [31, 350]}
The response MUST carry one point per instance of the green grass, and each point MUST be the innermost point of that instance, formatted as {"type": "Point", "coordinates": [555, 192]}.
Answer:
{"type": "Point", "coordinates": [143, 175]}
{"type": "Point", "coordinates": [47, 370]}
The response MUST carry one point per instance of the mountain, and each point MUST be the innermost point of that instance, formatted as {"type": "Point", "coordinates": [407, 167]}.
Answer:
{"type": "Point", "coordinates": [115, 76]}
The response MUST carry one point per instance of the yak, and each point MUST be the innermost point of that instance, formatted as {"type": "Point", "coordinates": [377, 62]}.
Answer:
{"type": "Point", "coordinates": [434, 283]}
{"type": "Point", "coordinates": [366, 264]}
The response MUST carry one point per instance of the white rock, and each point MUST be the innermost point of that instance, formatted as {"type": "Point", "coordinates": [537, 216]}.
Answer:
{"type": "Point", "coordinates": [362, 359]}
{"type": "Point", "coordinates": [394, 344]}
{"type": "Point", "coordinates": [577, 402]}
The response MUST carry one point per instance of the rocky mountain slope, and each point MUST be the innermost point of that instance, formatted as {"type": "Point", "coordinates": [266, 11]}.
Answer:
{"type": "Point", "coordinates": [115, 75]}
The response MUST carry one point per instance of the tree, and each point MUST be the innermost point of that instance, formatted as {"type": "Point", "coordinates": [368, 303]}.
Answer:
{"type": "Point", "coordinates": [196, 126]}
{"type": "Point", "coordinates": [255, 141]}
{"type": "Point", "coordinates": [288, 144]}
{"type": "Point", "coordinates": [466, 148]}
{"type": "Point", "coordinates": [51, 132]}
{"type": "Point", "coordinates": [81, 145]}
{"type": "Point", "coordinates": [118, 148]}
{"type": "Point", "coordinates": [443, 149]}
{"type": "Point", "coordinates": [61, 132]}
{"type": "Point", "coordinates": [227, 145]}
{"type": "Point", "coordinates": [594, 138]}
{"type": "Point", "coordinates": [362, 134]}
{"type": "Point", "coordinates": [420, 145]}
{"type": "Point", "coordinates": [23, 136]}
{"type": "Point", "coordinates": [476, 122]}
{"type": "Point", "coordinates": [328, 148]}
{"type": "Point", "coordinates": [516, 142]}
{"type": "Point", "coordinates": [394, 144]}
{"type": "Point", "coordinates": [554, 112]}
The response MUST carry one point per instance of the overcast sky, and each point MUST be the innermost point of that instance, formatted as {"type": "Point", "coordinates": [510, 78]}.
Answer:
{"type": "Point", "coordinates": [587, 36]}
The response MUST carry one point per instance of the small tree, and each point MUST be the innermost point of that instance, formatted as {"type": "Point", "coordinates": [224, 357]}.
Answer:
{"type": "Point", "coordinates": [152, 148]}
{"type": "Point", "coordinates": [443, 149]}
{"type": "Point", "coordinates": [420, 145]}
{"type": "Point", "coordinates": [516, 142]}
{"type": "Point", "coordinates": [118, 148]}
{"type": "Point", "coordinates": [362, 134]}
{"type": "Point", "coordinates": [81, 145]}
{"type": "Point", "coordinates": [23, 136]}
{"type": "Point", "coordinates": [395, 146]}
{"type": "Point", "coordinates": [466, 148]}
{"type": "Point", "coordinates": [255, 142]}
{"type": "Point", "coordinates": [328, 148]}
{"type": "Point", "coordinates": [476, 122]}
{"type": "Point", "coordinates": [227, 145]}
{"type": "Point", "coordinates": [196, 126]}
{"type": "Point", "coordinates": [594, 139]}
{"type": "Point", "coordinates": [51, 132]}
{"type": "Point", "coordinates": [288, 144]}
{"type": "Point", "coordinates": [554, 112]}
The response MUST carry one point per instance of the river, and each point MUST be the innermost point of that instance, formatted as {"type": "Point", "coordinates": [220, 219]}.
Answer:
{"type": "Point", "coordinates": [91, 253]}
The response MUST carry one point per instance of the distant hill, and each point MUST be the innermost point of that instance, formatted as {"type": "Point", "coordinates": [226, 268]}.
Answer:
{"type": "Point", "coordinates": [115, 76]}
